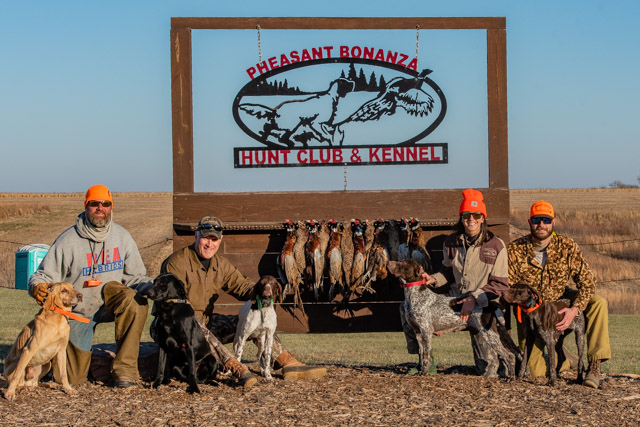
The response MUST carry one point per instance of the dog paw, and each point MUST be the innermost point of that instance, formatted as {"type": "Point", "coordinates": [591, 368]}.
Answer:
{"type": "Point", "coordinates": [71, 392]}
{"type": "Point", "coordinates": [193, 389]}
{"type": "Point", "coordinates": [10, 395]}
{"type": "Point", "coordinates": [156, 383]}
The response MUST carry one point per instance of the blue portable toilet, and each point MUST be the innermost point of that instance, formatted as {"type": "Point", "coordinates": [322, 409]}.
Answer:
{"type": "Point", "coordinates": [28, 258]}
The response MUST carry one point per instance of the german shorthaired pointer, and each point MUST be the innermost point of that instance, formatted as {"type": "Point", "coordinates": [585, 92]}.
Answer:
{"type": "Point", "coordinates": [257, 320]}
{"type": "Point", "coordinates": [540, 321]}
{"type": "Point", "coordinates": [427, 312]}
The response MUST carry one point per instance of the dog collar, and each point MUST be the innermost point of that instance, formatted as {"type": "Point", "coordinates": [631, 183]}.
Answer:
{"type": "Point", "coordinates": [527, 310]}
{"type": "Point", "coordinates": [418, 283]}
{"type": "Point", "coordinates": [70, 315]}
{"type": "Point", "coordinates": [259, 300]}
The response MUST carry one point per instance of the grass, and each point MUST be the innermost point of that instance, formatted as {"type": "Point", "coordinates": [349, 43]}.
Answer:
{"type": "Point", "coordinates": [355, 349]}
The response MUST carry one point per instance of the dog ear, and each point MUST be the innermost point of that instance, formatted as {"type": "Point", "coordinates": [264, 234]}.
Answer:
{"type": "Point", "coordinates": [277, 291]}
{"type": "Point", "coordinates": [53, 299]}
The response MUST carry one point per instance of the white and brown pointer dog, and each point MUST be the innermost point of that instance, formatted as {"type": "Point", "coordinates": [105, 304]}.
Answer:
{"type": "Point", "coordinates": [427, 312]}
{"type": "Point", "coordinates": [42, 339]}
{"type": "Point", "coordinates": [257, 320]}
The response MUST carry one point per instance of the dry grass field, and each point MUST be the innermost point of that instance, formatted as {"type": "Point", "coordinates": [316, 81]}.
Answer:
{"type": "Point", "coordinates": [605, 222]}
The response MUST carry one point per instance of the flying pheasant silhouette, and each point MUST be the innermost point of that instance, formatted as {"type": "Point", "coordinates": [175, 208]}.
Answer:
{"type": "Point", "coordinates": [403, 92]}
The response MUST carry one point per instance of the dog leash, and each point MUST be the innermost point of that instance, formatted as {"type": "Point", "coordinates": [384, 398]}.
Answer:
{"type": "Point", "coordinates": [69, 315]}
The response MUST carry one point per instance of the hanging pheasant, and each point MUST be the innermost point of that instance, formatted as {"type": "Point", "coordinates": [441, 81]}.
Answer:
{"type": "Point", "coordinates": [288, 268]}
{"type": "Point", "coordinates": [302, 235]}
{"type": "Point", "coordinates": [405, 237]}
{"type": "Point", "coordinates": [334, 256]}
{"type": "Point", "coordinates": [314, 258]}
{"type": "Point", "coordinates": [418, 245]}
{"type": "Point", "coordinates": [358, 229]}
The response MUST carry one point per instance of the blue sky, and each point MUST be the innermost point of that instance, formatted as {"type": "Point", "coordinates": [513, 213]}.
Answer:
{"type": "Point", "coordinates": [85, 88]}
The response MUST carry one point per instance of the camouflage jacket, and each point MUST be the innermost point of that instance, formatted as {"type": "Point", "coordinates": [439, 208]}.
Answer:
{"type": "Point", "coordinates": [564, 262]}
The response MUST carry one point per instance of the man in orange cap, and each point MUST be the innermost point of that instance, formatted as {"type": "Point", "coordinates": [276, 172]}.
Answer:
{"type": "Point", "coordinates": [475, 267]}
{"type": "Point", "coordinates": [546, 261]}
{"type": "Point", "coordinates": [101, 260]}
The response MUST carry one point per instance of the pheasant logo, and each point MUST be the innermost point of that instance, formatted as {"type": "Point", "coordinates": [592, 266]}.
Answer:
{"type": "Point", "coordinates": [369, 112]}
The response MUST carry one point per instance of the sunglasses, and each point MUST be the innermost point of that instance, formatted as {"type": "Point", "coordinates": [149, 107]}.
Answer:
{"type": "Point", "coordinates": [216, 227]}
{"type": "Point", "coordinates": [96, 203]}
{"type": "Point", "coordinates": [541, 219]}
{"type": "Point", "coordinates": [467, 215]}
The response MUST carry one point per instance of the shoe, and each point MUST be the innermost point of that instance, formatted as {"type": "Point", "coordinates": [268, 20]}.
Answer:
{"type": "Point", "coordinates": [593, 375]}
{"type": "Point", "coordinates": [293, 370]}
{"type": "Point", "coordinates": [241, 372]}
{"type": "Point", "coordinates": [123, 382]}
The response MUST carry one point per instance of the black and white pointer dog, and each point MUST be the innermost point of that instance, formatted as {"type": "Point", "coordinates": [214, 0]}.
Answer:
{"type": "Point", "coordinates": [257, 320]}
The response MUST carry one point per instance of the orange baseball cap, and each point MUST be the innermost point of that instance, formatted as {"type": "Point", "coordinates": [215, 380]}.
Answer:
{"type": "Point", "coordinates": [98, 192]}
{"type": "Point", "coordinates": [541, 208]}
{"type": "Point", "coordinates": [472, 202]}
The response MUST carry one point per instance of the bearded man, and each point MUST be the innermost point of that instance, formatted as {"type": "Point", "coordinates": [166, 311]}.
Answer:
{"type": "Point", "coordinates": [547, 261]}
{"type": "Point", "coordinates": [101, 260]}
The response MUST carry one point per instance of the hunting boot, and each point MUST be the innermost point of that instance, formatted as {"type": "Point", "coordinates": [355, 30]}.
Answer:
{"type": "Point", "coordinates": [241, 372]}
{"type": "Point", "coordinates": [293, 370]}
{"type": "Point", "coordinates": [593, 376]}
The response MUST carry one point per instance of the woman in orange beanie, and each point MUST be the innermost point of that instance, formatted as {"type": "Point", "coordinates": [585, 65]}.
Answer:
{"type": "Point", "coordinates": [475, 264]}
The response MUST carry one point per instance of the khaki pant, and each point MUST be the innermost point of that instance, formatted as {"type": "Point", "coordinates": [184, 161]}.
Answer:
{"type": "Point", "coordinates": [597, 331]}
{"type": "Point", "coordinates": [128, 310]}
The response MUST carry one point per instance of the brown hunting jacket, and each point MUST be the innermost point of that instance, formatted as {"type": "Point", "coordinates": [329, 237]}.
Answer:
{"type": "Point", "coordinates": [204, 286]}
{"type": "Point", "coordinates": [479, 269]}
{"type": "Point", "coordinates": [564, 262]}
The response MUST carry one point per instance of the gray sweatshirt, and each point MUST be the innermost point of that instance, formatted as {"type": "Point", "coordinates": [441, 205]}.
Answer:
{"type": "Point", "coordinates": [75, 256]}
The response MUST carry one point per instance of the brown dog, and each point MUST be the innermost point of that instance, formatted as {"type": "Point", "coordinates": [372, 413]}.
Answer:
{"type": "Point", "coordinates": [540, 321]}
{"type": "Point", "coordinates": [42, 339]}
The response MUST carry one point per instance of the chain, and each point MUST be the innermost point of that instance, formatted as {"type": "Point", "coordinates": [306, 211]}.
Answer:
{"type": "Point", "coordinates": [417, 43]}
{"type": "Point", "coordinates": [259, 45]}
{"type": "Point", "coordinates": [345, 177]}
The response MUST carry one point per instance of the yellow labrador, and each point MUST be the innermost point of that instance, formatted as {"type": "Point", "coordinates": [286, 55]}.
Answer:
{"type": "Point", "coordinates": [42, 339]}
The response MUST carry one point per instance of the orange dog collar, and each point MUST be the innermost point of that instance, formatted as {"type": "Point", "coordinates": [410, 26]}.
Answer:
{"type": "Point", "coordinates": [70, 315]}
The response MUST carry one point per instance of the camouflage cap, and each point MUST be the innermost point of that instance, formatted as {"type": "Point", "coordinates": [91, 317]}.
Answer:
{"type": "Point", "coordinates": [210, 226]}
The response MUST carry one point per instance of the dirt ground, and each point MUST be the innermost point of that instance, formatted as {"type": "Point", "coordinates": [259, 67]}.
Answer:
{"type": "Point", "coordinates": [346, 396]}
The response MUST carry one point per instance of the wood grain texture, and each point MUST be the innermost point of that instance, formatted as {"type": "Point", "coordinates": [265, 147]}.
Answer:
{"type": "Point", "coordinates": [182, 110]}
{"type": "Point", "coordinates": [273, 207]}
{"type": "Point", "coordinates": [335, 23]}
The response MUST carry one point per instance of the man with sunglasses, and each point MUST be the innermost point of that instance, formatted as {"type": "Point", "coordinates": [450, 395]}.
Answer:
{"type": "Point", "coordinates": [547, 261]}
{"type": "Point", "coordinates": [101, 260]}
{"type": "Point", "coordinates": [206, 274]}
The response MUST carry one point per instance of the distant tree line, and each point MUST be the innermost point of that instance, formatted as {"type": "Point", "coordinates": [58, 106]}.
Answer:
{"type": "Point", "coordinates": [372, 84]}
{"type": "Point", "coordinates": [619, 184]}
{"type": "Point", "coordinates": [281, 87]}
{"type": "Point", "coordinates": [275, 87]}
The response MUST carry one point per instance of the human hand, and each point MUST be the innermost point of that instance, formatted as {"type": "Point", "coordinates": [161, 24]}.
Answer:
{"type": "Point", "coordinates": [428, 280]}
{"type": "Point", "coordinates": [569, 315]}
{"type": "Point", "coordinates": [468, 304]}
{"type": "Point", "coordinates": [41, 292]}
